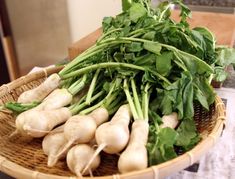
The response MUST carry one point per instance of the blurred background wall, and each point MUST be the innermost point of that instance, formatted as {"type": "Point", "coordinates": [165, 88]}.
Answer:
{"type": "Point", "coordinates": [40, 31]}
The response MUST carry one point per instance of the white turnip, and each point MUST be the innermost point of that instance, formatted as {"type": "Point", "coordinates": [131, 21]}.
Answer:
{"type": "Point", "coordinates": [170, 120]}
{"type": "Point", "coordinates": [55, 100]}
{"type": "Point", "coordinates": [38, 123]}
{"type": "Point", "coordinates": [78, 156]}
{"type": "Point", "coordinates": [51, 143]}
{"type": "Point", "coordinates": [135, 156]}
{"type": "Point", "coordinates": [40, 92]}
{"type": "Point", "coordinates": [81, 128]}
{"type": "Point", "coordinates": [112, 137]}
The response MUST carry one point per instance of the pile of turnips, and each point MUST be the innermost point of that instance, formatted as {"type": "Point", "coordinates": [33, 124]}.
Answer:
{"type": "Point", "coordinates": [130, 94]}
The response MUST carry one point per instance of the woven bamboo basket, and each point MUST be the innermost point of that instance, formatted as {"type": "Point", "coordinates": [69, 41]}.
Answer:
{"type": "Point", "coordinates": [21, 158]}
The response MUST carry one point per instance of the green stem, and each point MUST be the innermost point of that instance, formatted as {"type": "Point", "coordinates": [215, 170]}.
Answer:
{"type": "Point", "coordinates": [107, 33]}
{"type": "Point", "coordinates": [129, 99]}
{"type": "Point", "coordinates": [114, 103]}
{"type": "Point", "coordinates": [96, 49]}
{"type": "Point", "coordinates": [88, 110]}
{"type": "Point", "coordinates": [163, 12]}
{"type": "Point", "coordinates": [92, 87]}
{"type": "Point", "coordinates": [79, 107]}
{"type": "Point", "coordinates": [145, 101]}
{"type": "Point", "coordinates": [136, 99]}
{"type": "Point", "coordinates": [78, 86]}
{"type": "Point", "coordinates": [102, 65]}
{"type": "Point", "coordinates": [79, 59]}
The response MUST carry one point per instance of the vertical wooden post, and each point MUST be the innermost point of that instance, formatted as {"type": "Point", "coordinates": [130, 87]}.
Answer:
{"type": "Point", "coordinates": [7, 43]}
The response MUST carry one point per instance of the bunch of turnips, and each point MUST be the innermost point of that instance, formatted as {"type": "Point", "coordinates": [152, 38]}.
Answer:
{"type": "Point", "coordinates": [132, 93]}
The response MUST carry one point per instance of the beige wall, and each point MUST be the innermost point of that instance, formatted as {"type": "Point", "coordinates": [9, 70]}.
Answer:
{"type": "Point", "coordinates": [86, 15]}
{"type": "Point", "coordinates": [40, 31]}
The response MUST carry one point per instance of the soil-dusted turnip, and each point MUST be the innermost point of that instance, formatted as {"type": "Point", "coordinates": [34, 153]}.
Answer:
{"type": "Point", "coordinates": [40, 92]}
{"type": "Point", "coordinates": [77, 158]}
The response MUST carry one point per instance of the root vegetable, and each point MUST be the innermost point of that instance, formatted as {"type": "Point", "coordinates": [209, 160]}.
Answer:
{"type": "Point", "coordinates": [112, 137]}
{"type": "Point", "coordinates": [170, 120]}
{"type": "Point", "coordinates": [135, 156]}
{"type": "Point", "coordinates": [115, 134]}
{"type": "Point", "coordinates": [51, 143]}
{"type": "Point", "coordinates": [55, 100]}
{"type": "Point", "coordinates": [81, 128]}
{"type": "Point", "coordinates": [40, 92]}
{"type": "Point", "coordinates": [38, 123]}
{"type": "Point", "coordinates": [78, 156]}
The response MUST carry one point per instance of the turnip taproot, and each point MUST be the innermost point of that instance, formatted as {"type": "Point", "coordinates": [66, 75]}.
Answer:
{"type": "Point", "coordinates": [40, 92]}
{"type": "Point", "coordinates": [51, 143]}
{"type": "Point", "coordinates": [78, 156]}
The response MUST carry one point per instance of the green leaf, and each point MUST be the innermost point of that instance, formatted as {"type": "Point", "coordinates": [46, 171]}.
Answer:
{"type": "Point", "coordinates": [188, 99]}
{"type": "Point", "coordinates": [126, 4]}
{"type": "Point", "coordinates": [167, 136]}
{"type": "Point", "coordinates": [149, 35]}
{"type": "Point", "coordinates": [163, 63]}
{"type": "Point", "coordinates": [187, 134]}
{"type": "Point", "coordinates": [135, 47]}
{"type": "Point", "coordinates": [153, 47]}
{"type": "Point", "coordinates": [225, 56]}
{"type": "Point", "coordinates": [146, 60]}
{"type": "Point", "coordinates": [220, 75]}
{"type": "Point", "coordinates": [166, 105]}
{"type": "Point", "coordinates": [199, 96]}
{"type": "Point", "coordinates": [106, 24]}
{"type": "Point", "coordinates": [208, 44]}
{"type": "Point", "coordinates": [19, 107]}
{"type": "Point", "coordinates": [161, 147]}
{"type": "Point", "coordinates": [168, 152]}
{"type": "Point", "coordinates": [194, 64]}
{"type": "Point", "coordinates": [206, 89]}
{"type": "Point", "coordinates": [136, 12]}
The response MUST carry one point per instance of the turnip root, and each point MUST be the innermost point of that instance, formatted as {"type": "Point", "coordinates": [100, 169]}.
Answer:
{"type": "Point", "coordinates": [135, 155]}
{"type": "Point", "coordinates": [112, 137]}
{"type": "Point", "coordinates": [81, 128]}
{"type": "Point", "coordinates": [55, 100]}
{"type": "Point", "coordinates": [40, 92]}
{"type": "Point", "coordinates": [78, 156]}
{"type": "Point", "coordinates": [51, 143]}
{"type": "Point", "coordinates": [38, 123]}
{"type": "Point", "coordinates": [170, 120]}
{"type": "Point", "coordinates": [115, 134]}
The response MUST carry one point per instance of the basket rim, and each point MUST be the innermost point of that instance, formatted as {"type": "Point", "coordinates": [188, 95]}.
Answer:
{"type": "Point", "coordinates": [176, 164]}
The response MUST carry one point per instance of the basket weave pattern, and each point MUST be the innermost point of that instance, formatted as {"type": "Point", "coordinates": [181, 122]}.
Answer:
{"type": "Point", "coordinates": [24, 158]}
